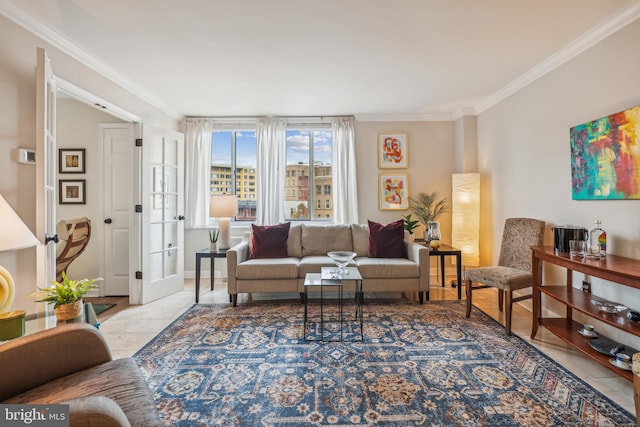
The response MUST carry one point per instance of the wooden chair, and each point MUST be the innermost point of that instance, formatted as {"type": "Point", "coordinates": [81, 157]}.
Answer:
{"type": "Point", "coordinates": [636, 385]}
{"type": "Point", "coordinates": [74, 236]}
{"type": "Point", "coordinates": [513, 271]}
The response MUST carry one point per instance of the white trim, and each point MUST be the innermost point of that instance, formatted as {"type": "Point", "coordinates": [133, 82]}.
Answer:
{"type": "Point", "coordinates": [95, 101]}
{"type": "Point", "coordinates": [607, 27]}
{"type": "Point", "coordinates": [26, 21]}
{"type": "Point", "coordinates": [612, 24]}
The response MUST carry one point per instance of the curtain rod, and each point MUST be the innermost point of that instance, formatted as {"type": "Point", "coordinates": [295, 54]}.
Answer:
{"type": "Point", "coordinates": [268, 117]}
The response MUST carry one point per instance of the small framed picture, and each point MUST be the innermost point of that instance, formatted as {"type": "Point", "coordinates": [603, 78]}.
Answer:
{"type": "Point", "coordinates": [393, 150]}
{"type": "Point", "coordinates": [71, 160]}
{"type": "Point", "coordinates": [72, 192]}
{"type": "Point", "coordinates": [393, 192]}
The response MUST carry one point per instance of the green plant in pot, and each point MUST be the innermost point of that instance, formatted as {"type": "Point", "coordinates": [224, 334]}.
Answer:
{"type": "Point", "coordinates": [428, 207]}
{"type": "Point", "coordinates": [66, 296]}
{"type": "Point", "coordinates": [213, 239]}
{"type": "Point", "coordinates": [410, 224]}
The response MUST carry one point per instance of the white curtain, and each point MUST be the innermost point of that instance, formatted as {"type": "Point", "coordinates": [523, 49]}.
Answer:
{"type": "Point", "coordinates": [345, 192]}
{"type": "Point", "coordinates": [272, 149]}
{"type": "Point", "coordinates": [197, 172]}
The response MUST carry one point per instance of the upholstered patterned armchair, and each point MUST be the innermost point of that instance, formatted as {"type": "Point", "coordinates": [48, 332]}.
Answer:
{"type": "Point", "coordinates": [513, 271]}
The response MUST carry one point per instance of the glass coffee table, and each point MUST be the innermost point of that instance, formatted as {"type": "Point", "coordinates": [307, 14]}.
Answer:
{"type": "Point", "coordinates": [327, 278]}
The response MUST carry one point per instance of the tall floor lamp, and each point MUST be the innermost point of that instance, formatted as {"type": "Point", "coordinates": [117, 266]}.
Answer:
{"type": "Point", "coordinates": [14, 235]}
{"type": "Point", "coordinates": [224, 207]}
{"type": "Point", "coordinates": [465, 216]}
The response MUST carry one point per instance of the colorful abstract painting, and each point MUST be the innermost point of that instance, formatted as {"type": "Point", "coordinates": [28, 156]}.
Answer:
{"type": "Point", "coordinates": [605, 157]}
{"type": "Point", "coordinates": [392, 150]}
{"type": "Point", "coordinates": [393, 192]}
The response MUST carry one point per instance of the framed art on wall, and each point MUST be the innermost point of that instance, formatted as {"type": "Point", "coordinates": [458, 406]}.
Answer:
{"type": "Point", "coordinates": [393, 192]}
{"type": "Point", "coordinates": [71, 160]}
{"type": "Point", "coordinates": [605, 162]}
{"type": "Point", "coordinates": [72, 192]}
{"type": "Point", "coordinates": [392, 150]}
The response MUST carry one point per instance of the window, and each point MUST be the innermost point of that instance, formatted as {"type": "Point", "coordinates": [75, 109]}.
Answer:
{"type": "Point", "coordinates": [308, 194]}
{"type": "Point", "coordinates": [234, 158]}
{"type": "Point", "coordinates": [308, 147]}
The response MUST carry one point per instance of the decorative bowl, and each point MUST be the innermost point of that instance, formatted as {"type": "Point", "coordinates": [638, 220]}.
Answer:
{"type": "Point", "coordinates": [608, 307]}
{"type": "Point", "coordinates": [341, 258]}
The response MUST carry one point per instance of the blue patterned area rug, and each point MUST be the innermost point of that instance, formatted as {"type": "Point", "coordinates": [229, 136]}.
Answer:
{"type": "Point", "coordinates": [419, 365]}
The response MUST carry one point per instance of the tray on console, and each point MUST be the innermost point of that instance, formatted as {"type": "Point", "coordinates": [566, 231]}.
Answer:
{"type": "Point", "coordinates": [610, 348]}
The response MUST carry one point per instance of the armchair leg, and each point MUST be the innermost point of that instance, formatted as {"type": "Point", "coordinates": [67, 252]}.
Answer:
{"type": "Point", "coordinates": [469, 286]}
{"type": "Point", "coordinates": [507, 315]}
{"type": "Point", "coordinates": [500, 299]}
{"type": "Point", "coordinates": [301, 297]}
{"type": "Point", "coordinates": [234, 300]}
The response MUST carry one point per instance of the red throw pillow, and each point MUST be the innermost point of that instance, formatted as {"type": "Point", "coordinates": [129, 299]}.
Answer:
{"type": "Point", "coordinates": [269, 241]}
{"type": "Point", "coordinates": [387, 241]}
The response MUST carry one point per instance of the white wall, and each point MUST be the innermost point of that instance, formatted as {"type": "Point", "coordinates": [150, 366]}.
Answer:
{"type": "Point", "coordinates": [524, 156]}
{"type": "Point", "coordinates": [18, 127]}
{"type": "Point", "coordinates": [77, 126]}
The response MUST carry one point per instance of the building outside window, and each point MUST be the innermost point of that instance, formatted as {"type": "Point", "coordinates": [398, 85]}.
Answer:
{"type": "Point", "coordinates": [234, 157]}
{"type": "Point", "coordinates": [308, 147]}
{"type": "Point", "coordinates": [234, 171]}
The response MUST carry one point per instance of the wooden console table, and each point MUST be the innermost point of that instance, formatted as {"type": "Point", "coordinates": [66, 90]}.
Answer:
{"type": "Point", "coordinates": [624, 271]}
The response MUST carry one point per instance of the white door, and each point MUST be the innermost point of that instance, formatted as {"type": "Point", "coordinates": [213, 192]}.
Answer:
{"type": "Point", "coordinates": [45, 168]}
{"type": "Point", "coordinates": [162, 162]}
{"type": "Point", "coordinates": [118, 142]}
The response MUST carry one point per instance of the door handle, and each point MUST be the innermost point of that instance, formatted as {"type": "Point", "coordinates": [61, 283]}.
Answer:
{"type": "Point", "coordinates": [108, 221]}
{"type": "Point", "coordinates": [53, 238]}
{"type": "Point", "coordinates": [180, 217]}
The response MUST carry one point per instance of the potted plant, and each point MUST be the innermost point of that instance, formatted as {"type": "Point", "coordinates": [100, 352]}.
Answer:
{"type": "Point", "coordinates": [410, 224]}
{"type": "Point", "coordinates": [213, 239]}
{"type": "Point", "coordinates": [66, 296]}
{"type": "Point", "coordinates": [427, 207]}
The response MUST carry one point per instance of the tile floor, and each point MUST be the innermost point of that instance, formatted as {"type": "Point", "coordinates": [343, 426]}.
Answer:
{"type": "Point", "coordinates": [128, 330]}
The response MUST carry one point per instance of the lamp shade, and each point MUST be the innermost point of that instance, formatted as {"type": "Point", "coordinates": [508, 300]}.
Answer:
{"type": "Point", "coordinates": [465, 216]}
{"type": "Point", "coordinates": [224, 205]}
{"type": "Point", "coordinates": [14, 234]}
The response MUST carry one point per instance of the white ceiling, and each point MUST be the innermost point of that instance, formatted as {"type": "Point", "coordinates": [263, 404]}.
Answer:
{"type": "Point", "coordinates": [376, 59]}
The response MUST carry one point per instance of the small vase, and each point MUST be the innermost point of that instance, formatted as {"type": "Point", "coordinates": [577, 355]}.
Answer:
{"type": "Point", "coordinates": [433, 231]}
{"type": "Point", "coordinates": [69, 311]}
{"type": "Point", "coordinates": [213, 247]}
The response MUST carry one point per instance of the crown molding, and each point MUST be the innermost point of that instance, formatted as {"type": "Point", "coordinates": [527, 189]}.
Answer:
{"type": "Point", "coordinates": [444, 117]}
{"type": "Point", "coordinates": [607, 27]}
{"type": "Point", "coordinates": [612, 24]}
{"type": "Point", "coordinates": [29, 23]}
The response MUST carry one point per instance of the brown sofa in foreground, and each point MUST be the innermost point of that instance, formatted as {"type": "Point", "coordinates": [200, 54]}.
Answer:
{"type": "Point", "coordinates": [72, 364]}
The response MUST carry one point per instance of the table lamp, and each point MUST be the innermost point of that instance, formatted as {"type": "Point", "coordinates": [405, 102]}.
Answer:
{"type": "Point", "coordinates": [14, 235]}
{"type": "Point", "coordinates": [223, 207]}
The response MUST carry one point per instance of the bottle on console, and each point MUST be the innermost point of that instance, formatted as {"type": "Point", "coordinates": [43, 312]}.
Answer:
{"type": "Point", "coordinates": [598, 241]}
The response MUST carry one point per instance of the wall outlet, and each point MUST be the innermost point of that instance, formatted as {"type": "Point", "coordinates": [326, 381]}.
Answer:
{"type": "Point", "coordinates": [586, 286]}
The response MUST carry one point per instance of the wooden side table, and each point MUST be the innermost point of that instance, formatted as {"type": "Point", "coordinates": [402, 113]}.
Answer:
{"type": "Point", "coordinates": [444, 251]}
{"type": "Point", "coordinates": [206, 253]}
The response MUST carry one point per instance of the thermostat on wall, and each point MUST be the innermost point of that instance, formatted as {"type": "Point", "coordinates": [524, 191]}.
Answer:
{"type": "Point", "coordinates": [24, 155]}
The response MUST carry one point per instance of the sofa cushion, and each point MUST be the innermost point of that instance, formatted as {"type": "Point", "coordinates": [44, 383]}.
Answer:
{"type": "Point", "coordinates": [120, 380]}
{"type": "Point", "coordinates": [294, 243]}
{"type": "Point", "coordinates": [320, 239]}
{"type": "Point", "coordinates": [360, 237]}
{"type": "Point", "coordinates": [387, 241]}
{"type": "Point", "coordinates": [269, 241]}
{"type": "Point", "coordinates": [268, 268]}
{"type": "Point", "coordinates": [387, 268]}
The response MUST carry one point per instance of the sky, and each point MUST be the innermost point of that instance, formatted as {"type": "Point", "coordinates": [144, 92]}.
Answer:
{"type": "Point", "coordinates": [297, 147]}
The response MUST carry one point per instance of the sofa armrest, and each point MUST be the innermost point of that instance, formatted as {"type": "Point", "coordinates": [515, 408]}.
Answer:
{"type": "Point", "coordinates": [96, 411]}
{"type": "Point", "coordinates": [236, 255]}
{"type": "Point", "coordinates": [36, 359]}
{"type": "Point", "coordinates": [420, 255]}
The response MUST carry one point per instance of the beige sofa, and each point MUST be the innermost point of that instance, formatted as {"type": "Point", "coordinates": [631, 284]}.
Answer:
{"type": "Point", "coordinates": [307, 253]}
{"type": "Point", "coordinates": [71, 364]}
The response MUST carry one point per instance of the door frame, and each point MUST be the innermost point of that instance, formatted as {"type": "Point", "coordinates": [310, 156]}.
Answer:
{"type": "Point", "coordinates": [135, 223]}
